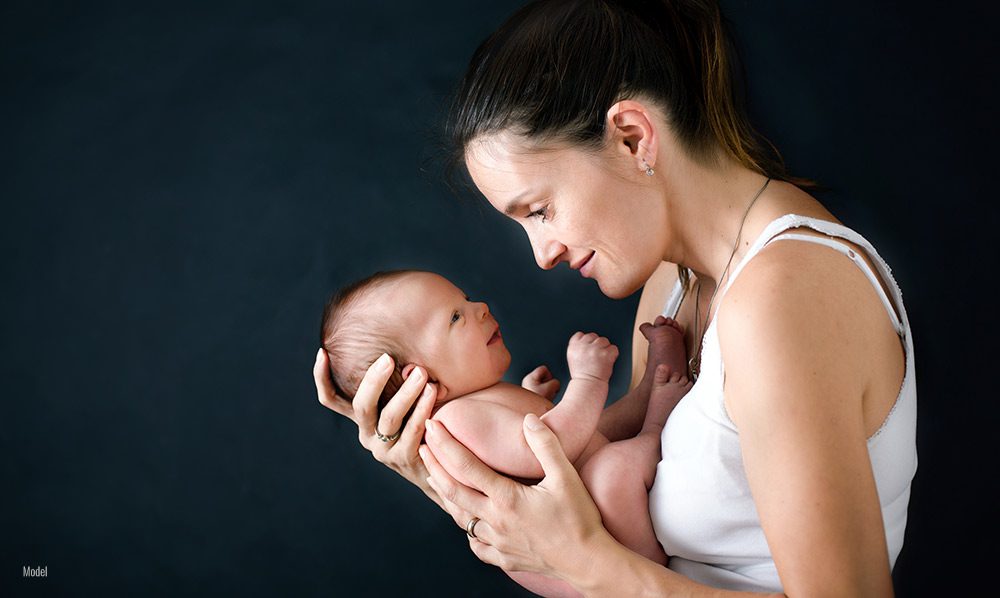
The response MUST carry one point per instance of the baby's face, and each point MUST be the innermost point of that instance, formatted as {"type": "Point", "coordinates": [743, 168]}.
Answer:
{"type": "Point", "coordinates": [455, 339]}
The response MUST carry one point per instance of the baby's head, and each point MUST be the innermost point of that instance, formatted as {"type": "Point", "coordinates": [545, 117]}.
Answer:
{"type": "Point", "coordinates": [419, 319]}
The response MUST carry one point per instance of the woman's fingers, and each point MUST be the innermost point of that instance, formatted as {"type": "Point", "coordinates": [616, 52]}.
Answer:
{"type": "Point", "coordinates": [463, 519]}
{"type": "Point", "coordinates": [461, 501]}
{"type": "Point", "coordinates": [487, 553]}
{"type": "Point", "coordinates": [391, 418]}
{"type": "Point", "coordinates": [324, 387]}
{"type": "Point", "coordinates": [458, 463]}
{"type": "Point", "coordinates": [366, 399]}
{"type": "Point", "coordinates": [547, 449]}
{"type": "Point", "coordinates": [413, 431]}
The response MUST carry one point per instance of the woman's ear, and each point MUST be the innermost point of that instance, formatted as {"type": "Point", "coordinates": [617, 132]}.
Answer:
{"type": "Point", "coordinates": [632, 127]}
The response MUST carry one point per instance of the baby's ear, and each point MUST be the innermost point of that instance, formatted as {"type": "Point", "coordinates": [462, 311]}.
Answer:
{"type": "Point", "coordinates": [442, 392]}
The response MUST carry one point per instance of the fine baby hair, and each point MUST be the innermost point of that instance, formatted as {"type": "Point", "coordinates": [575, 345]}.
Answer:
{"type": "Point", "coordinates": [354, 341]}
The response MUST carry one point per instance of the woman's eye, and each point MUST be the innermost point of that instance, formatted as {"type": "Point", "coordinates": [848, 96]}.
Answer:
{"type": "Point", "coordinates": [540, 213]}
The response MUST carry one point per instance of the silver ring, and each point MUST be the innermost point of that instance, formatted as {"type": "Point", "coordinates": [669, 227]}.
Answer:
{"type": "Point", "coordinates": [384, 438]}
{"type": "Point", "coordinates": [470, 527]}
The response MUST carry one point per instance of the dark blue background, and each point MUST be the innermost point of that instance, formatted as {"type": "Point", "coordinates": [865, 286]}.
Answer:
{"type": "Point", "coordinates": [183, 184]}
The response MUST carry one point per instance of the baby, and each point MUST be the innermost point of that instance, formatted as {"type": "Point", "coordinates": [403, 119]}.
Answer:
{"type": "Point", "coordinates": [422, 319]}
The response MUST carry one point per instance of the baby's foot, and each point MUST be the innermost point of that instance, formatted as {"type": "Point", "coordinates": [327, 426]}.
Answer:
{"type": "Point", "coordinates": [666, 346]}
{"type": "Point", "coordinates": [668, 389]}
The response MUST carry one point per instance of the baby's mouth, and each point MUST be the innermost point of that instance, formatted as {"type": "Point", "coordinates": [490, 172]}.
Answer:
{"type": "Point", "coordinates": [496, 336]}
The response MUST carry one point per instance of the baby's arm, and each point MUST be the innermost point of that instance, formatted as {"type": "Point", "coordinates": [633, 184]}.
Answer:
{"type": "Point", "coordinates": [489, 424]}
{"type": "Point", "coordinates": [591, 359]}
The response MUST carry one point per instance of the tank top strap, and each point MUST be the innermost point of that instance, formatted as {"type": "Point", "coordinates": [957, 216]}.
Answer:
{"type": "Point", "coordinates": [772, 232]}
{"type": "Point", "coordinates": [673, 304]}
{"type": "Point", "coordinates": [860, 263]}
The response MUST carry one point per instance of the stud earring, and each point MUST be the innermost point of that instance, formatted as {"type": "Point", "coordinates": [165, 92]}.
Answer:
{"type": "Point", "coordinates": [649, 169]}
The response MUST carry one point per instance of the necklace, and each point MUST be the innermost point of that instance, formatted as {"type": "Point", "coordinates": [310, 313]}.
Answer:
{"type": "Point", "coordinates": [694, 364]}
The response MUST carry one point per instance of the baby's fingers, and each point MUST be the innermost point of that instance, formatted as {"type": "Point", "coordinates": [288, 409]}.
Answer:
{"type": "Point", "coordinates": [540, 374]}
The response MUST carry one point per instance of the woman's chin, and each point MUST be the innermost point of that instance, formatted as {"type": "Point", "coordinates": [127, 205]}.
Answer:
{"type": "Point", "coordinates": [617, 289]}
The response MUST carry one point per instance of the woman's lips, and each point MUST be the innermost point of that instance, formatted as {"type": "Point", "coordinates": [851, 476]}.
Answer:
{"type": "Point", "coordinates": [587, 266]}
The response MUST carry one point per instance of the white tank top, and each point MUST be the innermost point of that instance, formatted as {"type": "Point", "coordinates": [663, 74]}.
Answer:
{"type": "Point", "coordinates": [700, 502]}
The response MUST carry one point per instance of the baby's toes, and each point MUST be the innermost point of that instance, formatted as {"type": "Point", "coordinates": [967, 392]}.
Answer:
{"type": "Point", "coordinates": [674, 324]}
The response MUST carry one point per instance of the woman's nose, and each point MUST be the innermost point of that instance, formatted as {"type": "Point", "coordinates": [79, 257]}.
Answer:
{"type": "Point", "coordinates": [547, 252]}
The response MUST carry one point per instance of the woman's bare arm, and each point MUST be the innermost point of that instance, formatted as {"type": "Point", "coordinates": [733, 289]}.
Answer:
{"type": "Point", "coordinates": [797, 336]}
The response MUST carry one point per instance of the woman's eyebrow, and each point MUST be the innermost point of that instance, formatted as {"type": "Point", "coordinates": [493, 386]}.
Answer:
{"type": "Point", "coordinates": [511, 206]}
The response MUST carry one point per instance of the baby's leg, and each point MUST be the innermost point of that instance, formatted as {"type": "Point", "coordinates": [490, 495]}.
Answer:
{"type": "Point", "coordinates": [668, 389]}
{"type": "Point", "coordinates": [666, 346]}
{"type": "Point", "coordinates": [619, 477]}
{"type": "Point", "coordinates": [667, 354]}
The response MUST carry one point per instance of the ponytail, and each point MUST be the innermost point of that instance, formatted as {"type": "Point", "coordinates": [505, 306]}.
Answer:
{"type": "Point", "coordinates": [553, 69]}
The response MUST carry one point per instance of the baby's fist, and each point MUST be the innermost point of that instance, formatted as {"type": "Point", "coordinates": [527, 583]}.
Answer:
{"type": "Point", "coordinates": [591, 356]}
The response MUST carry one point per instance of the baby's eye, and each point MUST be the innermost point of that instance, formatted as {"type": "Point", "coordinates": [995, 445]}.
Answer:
{"type": "Point", "coordinates": [455, 316]}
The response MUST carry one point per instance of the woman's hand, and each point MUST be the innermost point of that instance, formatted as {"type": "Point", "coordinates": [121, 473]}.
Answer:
{"type": "Point", "coordinates": [541, 382]}
{"type": "Point", "coordinates": [399, 453]}
{"type": "Point", "coordinates": [552, 528]}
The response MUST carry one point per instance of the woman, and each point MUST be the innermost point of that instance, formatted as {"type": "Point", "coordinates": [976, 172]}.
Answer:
{"type": "Point", "coordinates": [610, 132]}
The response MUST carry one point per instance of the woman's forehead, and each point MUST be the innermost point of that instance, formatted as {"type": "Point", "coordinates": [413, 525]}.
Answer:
{"type": "Point", "coordinates": [503, 165]}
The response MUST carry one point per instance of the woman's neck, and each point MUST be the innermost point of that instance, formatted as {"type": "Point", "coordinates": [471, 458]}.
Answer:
{"type": "Point", "coordinates": [708, 207]}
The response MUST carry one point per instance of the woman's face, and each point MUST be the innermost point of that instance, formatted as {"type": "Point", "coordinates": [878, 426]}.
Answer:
{"type": "Point", "coordinates": [593, 211]}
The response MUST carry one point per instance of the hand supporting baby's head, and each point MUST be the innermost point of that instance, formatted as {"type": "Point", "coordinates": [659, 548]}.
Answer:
{"type": "Point", "coordinates": [419, 319]}
{"type": "Point", "coordinates": [354, 336]}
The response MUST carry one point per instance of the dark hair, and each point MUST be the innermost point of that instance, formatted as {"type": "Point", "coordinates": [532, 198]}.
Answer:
{"type": "Point", "coordinates": [554, 68]}
{"type": "Point", "coordinates": [354, 342]}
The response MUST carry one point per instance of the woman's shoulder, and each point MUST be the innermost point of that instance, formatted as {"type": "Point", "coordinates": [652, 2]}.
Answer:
{"type": "Point", "coordinates": [801, 285]}
{"type": "Point", "coordinates": [801, 315]}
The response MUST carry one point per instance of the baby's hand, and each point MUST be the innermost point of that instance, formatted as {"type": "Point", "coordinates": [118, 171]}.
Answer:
{"type": "Point", "coordinates": [541, 382]}
{"type": "Point", "coordinates": [591, 356]}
